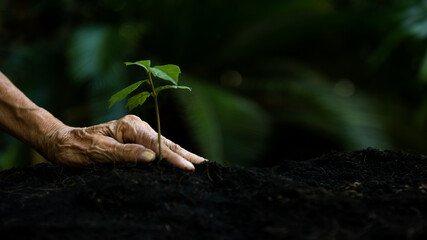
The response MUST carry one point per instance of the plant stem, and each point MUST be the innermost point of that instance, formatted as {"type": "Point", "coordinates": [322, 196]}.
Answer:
{"type": "Point", "coordinates": [159, 134]}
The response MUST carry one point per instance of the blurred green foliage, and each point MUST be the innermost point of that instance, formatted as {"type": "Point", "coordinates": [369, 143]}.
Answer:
{"type": "Point", "coordinates": [276, 80]}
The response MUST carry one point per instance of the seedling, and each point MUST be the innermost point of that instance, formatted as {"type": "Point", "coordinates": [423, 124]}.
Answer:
{"type": "Point", "coordinates": [167, 72]}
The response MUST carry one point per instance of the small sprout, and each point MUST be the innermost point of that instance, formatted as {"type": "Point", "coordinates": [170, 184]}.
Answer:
{"type": "Point", "coordinates": [167, 72]}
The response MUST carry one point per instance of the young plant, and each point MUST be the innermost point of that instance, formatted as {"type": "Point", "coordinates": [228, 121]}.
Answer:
{"type": "Point", "coordinates": [167, 72]}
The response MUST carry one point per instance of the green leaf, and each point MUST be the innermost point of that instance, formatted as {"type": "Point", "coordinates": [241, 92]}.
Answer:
{"type": "Point", "coordinates": [159, 89]}
{"type": "Point", "coordinates": [124, 92]}
{"type": "Point", "coordinates": [167, 72]}
{"type": "Point", "coordinates": [137, 100]}
{"type": "Point", "coordinates": [143, 63]}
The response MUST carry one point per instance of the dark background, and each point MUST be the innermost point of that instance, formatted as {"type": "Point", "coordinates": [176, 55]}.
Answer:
{"type": "Point", "coordinates": [272, 80]}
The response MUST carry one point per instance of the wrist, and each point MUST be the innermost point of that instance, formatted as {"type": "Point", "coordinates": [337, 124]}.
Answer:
{"type": "Point", "coordinates": [38, 128]}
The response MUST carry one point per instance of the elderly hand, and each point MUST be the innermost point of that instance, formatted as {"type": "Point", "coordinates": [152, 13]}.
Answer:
{"type": "Point", "coordinates": [126, 140]}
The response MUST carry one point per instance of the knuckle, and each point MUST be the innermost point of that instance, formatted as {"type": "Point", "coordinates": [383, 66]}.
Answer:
{"type": "Point", "coordinates": [174, 147]}
{"type": "Point", "coordinates": [130, 118]}
{"type": "Point", "coordinates": [145, 124]}
{"type": "Point", "coordinates": [124, 128]}
{"type": "Point", "coordinates": [130, 128]}
{"type": "Point", "coordinates": [130, 121]}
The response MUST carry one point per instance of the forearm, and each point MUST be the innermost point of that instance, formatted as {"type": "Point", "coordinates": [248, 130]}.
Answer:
{"type": "Point", "coordinates": [20, 117]}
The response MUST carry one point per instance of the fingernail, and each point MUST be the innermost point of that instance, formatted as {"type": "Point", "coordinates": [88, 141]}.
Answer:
{"type": "Point", "coordinates": [146, 156]}
{"type": "Point", "coordinates": [189, 166]}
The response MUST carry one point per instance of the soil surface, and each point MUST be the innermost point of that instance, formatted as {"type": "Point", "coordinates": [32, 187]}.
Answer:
{"type": "Point", "coordinates": [367, 194]}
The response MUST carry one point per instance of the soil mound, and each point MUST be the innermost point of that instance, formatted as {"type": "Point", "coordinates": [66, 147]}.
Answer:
{"type": "Point", "coordinates": [368, 194]}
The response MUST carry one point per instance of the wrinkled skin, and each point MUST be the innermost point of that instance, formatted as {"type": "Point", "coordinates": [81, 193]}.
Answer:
{"type": "Point", "coordinates": [126, 140]}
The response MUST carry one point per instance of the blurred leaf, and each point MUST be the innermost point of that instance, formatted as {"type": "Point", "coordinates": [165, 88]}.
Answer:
{"type": "Point", "coordinates": [95, 53]}
{"type": "Point", "coordinates": [228, 128]}
{"type": "Point", "coordinates": [412, 22]}
{"type": "Point", "coordinates": [85, 52]}
{"type": "Point", "coordinates": [354, 120]}
{"type": "Point", "coordinates": [389, 44]}
{"type": "Point", "coordinates": [137, 100]}
{"type": "Point", "coordinates": [159, 89]}
{"type": "Point", "coordinates": [8, 157]}
{"type": "Point", "coordinates": [415, 20]}
{"type": "Point", "coordinates": [422, 74]}
{"type": "Point", "coordinates": [119, 96]}
{"type": "Point", "coordinates": [281, 29]}
{"type": "Point", "coordinates": [167, 72]}
{"type": "Point", "coordinates": [143, 63]}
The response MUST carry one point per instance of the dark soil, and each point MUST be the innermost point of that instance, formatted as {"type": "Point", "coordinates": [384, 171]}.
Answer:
{"type": "Point", "coordinates": [367, 194]}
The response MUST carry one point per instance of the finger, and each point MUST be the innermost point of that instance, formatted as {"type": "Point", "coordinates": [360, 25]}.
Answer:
{"type": "Point", "coordinates": [125, 152]}
{"type": "Point", "coordinates": [178, 149]}
{"type": "Point", "coordinates": [177, 160]}
{"type": "Point", "coordinates": [182, 152]}
{"type": "Point", "coordinates": [132, 129]}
